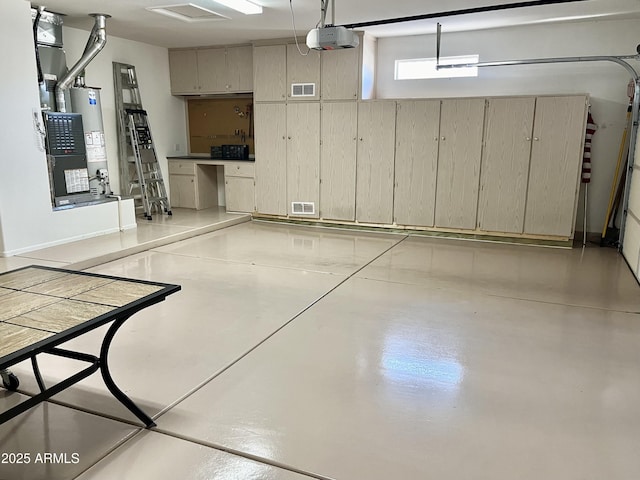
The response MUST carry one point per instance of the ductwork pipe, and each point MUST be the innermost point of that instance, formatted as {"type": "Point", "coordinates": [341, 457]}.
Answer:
{"type": "Point", "coordinates": [97, 41]}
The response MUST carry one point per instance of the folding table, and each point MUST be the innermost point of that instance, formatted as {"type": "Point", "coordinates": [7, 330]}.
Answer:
{"type": "Point", "coordinates": [43, 307]}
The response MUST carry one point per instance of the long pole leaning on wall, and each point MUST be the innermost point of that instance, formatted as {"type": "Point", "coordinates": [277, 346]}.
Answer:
{"type": "Point", "coordinates": [620, 60]}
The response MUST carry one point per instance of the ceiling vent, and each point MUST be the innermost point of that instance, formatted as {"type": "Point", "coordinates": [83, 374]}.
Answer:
{"type": "Point", "coordinates": [188, 12]}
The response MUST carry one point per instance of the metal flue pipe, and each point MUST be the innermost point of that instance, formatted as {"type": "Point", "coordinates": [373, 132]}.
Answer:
{"type": "Point", "coordinates": [97, 41]}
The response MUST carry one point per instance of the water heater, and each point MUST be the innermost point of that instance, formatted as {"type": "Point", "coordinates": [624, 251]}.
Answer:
{"type": "Point", "coordinates": [86, 101]}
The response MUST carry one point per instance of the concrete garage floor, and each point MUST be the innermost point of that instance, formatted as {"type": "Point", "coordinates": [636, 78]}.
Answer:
{"type": "Point", "coordinates": [298, 352]}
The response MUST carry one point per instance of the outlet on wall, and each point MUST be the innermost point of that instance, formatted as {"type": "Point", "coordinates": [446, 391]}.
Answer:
{"type": "Point", "coordinates": [177, 147]}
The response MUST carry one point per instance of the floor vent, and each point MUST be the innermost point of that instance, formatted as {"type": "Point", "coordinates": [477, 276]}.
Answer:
{"type": "Point", "coordinates": [303, 208]}
{"type": "Point", "coordinates": [303, 89]}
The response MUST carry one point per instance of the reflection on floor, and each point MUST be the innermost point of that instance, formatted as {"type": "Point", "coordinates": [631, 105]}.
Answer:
{"type": "Point", "coordinates": [299, 352]}
{"type": "Point", "coordinates": [163, 229]}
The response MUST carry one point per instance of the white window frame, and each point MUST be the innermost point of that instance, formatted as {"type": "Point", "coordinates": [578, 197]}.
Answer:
{"type": "Point", "coordinates": [425, 68]}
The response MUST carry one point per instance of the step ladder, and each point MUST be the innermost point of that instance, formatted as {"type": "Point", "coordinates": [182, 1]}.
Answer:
{"type": "Point", "coordinates": [140, 170]}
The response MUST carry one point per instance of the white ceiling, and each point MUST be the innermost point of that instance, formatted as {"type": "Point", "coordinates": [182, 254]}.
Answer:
{"type": "Point", "coordinates": [131, 20]}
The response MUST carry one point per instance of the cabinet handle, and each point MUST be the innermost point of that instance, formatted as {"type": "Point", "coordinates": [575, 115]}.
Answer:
{"type": "Point", "coordinates": [289, 138]}
{"type": "Point", "coordinates": [442, 138]}
{"type": "Point", "coordinates": [360, 138]}
{"type": "Point", "coordinates": [536, 138]}
{"type": "Point", "coordinates": [528, 139]}
{"type": "Point", "coordinates": [435, 139]}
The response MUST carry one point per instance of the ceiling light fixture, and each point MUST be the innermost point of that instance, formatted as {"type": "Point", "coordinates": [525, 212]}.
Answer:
{"type": "Point", "coordinates": [243, 6]}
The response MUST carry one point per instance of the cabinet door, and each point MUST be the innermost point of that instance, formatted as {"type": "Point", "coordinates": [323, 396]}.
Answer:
{"type": "Point", "coordinates": [303, 154]}
{"type": "Point", "coordinates": [461, 125]}
{"type": "Point", "coordinates": [417, 131]}
{"type": "Point", "coordinates": [183, 191]}
{"type": "Point", "coordinates": [240, 69]}
{"type": "Point", "coordinates": [338, 161]}
{"type": "Point", "coordinates": [374, 163]}
{"type": "Point", "coordinates": [240, 194]}
{"type": "Point", "coordinates": [269, 73]}
{"type": "Point", "coordinates": [212, 70]}
{"type": "Point", "coordinates": [556, 155]}
{"type": "Point", "coordinates": [183, 71]}
{"type": "Point", "coordinates": [303, 69]}
{"type": "Point", "coordinates": [505, 164]}
{"type": "Point", "coordinates": [271, 158]}
{"type": "Point", "coordinates": [340, 74]}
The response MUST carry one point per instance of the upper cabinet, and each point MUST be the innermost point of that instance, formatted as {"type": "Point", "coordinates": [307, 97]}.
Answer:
{"type": "Point", "coordinates": [282, 73]}
{"type": "Point", "coordinates": [240, 69]}
{"type": "Point", "coordinates": [183, 71]}
{"type": "Point", "coordinates": [212, 66]}
{"type": "Point", "coordinates": [270, 73]}
{"type": "Point", "coordinates": [291, 72]}
{"type": "Point", "coordinates": [340, 74]}
{"type": "Point", "coordinates": [211, 70]}
{"type": "Point", "coordinates": [303, 74]}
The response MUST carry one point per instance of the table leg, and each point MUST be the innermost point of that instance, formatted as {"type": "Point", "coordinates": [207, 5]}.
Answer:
{"type": "Point", "coordinates": [36, 373]}
{"type": "Point", "coordinates": [108, 380]}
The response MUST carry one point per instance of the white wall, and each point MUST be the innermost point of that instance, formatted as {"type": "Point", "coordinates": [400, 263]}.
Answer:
{"type": "Point", "coordinates": [27, 221]}
{"type": "Point", "coordinates": [605, 82]}
{"type": "Point", "coordinates": [166, 113]}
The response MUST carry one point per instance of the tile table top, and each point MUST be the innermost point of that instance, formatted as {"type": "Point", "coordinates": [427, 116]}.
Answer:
{"type": "Point", "coordinates": [37, 303]}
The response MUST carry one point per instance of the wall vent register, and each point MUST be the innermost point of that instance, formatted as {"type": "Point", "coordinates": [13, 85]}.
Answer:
{"type": "Point", "coordinates": [303, 208]}
{"type": "Point", "coordinates": [303, 89]}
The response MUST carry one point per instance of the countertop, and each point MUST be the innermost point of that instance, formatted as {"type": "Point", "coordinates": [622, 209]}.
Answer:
{"type": "Point", "coordinates": [204, 156]}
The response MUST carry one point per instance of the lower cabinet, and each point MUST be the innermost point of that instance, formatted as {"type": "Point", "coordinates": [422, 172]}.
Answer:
{"type": "Point", "coordinates": [417, 140]}
{"type": "Point", "coordinates": [461, 126]}
{"type": "Point", "coordinates": [374, 161]}
{"type": "Point", "coordinates": [194, 184]}
{"type": "Point", "coordinates": [497, 166]}
{"type": "Point", "coordinates": [271, 151]}
{"type": "Point", "coordinates": [556, 151]}
{"type": "Point", "coordinates": [240, 194]}
{"type": "Point", "coordinates": [505, 164]}
{"type": "Point", "coordinates": [182, 184]}
{"type": "Point", "coordinates": [338, 161]}
{"type": "Point", "coordinates": [240, 188]}
{"type": "Point", "coordinates": [303, 158]}
{"type": "Point", "coordinates": [183, 191]}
